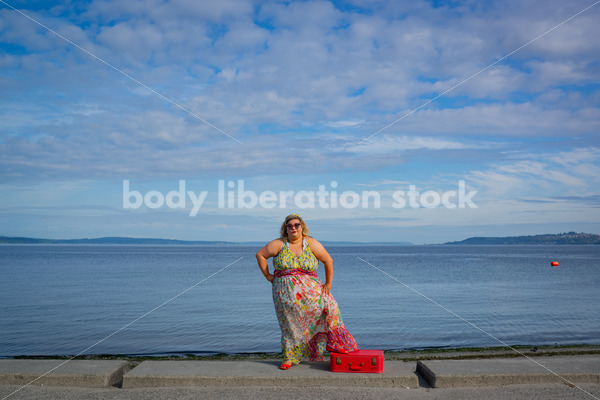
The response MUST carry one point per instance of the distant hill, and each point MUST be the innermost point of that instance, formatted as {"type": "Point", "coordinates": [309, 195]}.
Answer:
{"type": "Point", "coordinates": [103, 240]}
{"type": "Point", "coordinates": [150, 241]}
{"type": "Point", "coordinates": [560, 238]}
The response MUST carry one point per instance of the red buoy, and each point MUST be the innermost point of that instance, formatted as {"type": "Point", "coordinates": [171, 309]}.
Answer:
{"type": "Point", "coordinates": [554, 263]}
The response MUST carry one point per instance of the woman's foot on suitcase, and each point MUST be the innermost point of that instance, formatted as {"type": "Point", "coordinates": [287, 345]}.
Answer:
{"type": "Point", "coordinates": [332, 350]}
{"type": "Point", "coordinates": [285, 365]}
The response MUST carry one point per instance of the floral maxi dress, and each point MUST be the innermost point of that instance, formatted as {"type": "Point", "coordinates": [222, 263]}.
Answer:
{"type": "Point", "coordinates": [309, 320]}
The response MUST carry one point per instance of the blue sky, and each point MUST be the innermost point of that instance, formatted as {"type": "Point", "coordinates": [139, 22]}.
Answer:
{"type": "Point", "coordinates": [291, 96]}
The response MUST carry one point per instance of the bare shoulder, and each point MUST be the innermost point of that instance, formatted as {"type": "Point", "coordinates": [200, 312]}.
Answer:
{"type": "Point", "coordinates": [318, 250]}
{"type": "Point", "coordinates": [276, 243]}
{"type": "Point", "coordinates": [315, 245]}
{"type": "Point", "coordinates": [272, 248]}
{"type": "Point", "coordinates": [312, 242]}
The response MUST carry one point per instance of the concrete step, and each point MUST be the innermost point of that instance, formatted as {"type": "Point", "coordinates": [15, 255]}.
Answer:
{"type": "Point", "coordinates": [438, 373]}
{"type": "Point", "coordinates": [211, 373]}
{"type": "Point", "coordinates": [510, 371]}
{"type": "Point", "coordinates": [87, 373]}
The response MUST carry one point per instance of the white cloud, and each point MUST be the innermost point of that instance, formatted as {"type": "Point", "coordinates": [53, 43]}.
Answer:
{"type": "Point", "coordinates": [541, 176]}
{"type": "Point", "coordinates": [385, 143]}
{"type": "Point", "coordinates": [310, 79]}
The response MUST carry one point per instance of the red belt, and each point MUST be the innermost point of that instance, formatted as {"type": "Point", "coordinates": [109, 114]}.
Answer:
{"type": "Point", "coordinates": [294, 271]}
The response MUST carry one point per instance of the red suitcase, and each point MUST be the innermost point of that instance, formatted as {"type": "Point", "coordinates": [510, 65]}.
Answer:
{"type": "Point", "coordinates": [365, 361]}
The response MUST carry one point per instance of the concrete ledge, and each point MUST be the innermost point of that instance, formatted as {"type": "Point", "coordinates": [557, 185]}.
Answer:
{"type": "Point", "coordinates": [510, 371]}
{"type": "Point", "coordinates": [253, 373]}
{"type": "Point", "coordinates": [438, 373]}
{"type": "Point", "coordinates": [86, 373]}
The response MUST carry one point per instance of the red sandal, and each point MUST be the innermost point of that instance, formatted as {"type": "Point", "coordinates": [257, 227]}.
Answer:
{"type": "Point", "coordinates": [285, 365]}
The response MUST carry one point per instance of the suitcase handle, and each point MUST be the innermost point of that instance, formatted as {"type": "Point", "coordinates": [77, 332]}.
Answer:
{"type": "Point", "coordinates": [355, 368]}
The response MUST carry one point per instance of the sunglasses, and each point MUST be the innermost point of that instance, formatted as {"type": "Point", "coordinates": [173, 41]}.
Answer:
{"type": "Point", "coordinates": [294, 226]}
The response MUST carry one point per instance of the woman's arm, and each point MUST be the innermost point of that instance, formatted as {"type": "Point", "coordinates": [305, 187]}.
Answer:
{"type": "Point", "coordinates": [270, 250]}
{"type": "Point", "coordinates": [322, 255]}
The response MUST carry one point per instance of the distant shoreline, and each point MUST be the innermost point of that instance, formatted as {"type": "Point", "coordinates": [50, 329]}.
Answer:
{"type": "Point", "coordinates": [560, 239]}
{"type": "Point", "coordinates": [153, 241]}
{"type": "Point", "coordinates": [546, 239]}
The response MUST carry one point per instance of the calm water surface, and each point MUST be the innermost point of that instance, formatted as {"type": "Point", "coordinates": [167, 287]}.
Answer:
{"type": "Point", "coordinates": [64, 299]}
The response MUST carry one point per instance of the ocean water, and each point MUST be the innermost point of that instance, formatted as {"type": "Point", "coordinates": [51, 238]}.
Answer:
{"type": "Point", "coordinates": [158, 300]}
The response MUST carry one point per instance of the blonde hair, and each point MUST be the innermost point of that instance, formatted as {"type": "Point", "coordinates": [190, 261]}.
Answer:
{"type": "Point", "coordinates": [283, 230]}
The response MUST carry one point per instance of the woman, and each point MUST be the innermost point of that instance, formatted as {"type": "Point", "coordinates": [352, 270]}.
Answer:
{"type": "Point", "coordinates": [308, 315]}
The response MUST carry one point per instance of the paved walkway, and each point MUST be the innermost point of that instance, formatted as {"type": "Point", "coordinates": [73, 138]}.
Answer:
{"type": "Point", "coordinates": [568, 375]}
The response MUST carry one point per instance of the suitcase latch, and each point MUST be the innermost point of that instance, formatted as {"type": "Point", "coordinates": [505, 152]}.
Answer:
{"type": "Point", "coordinates": [374, 361]}
{"type": "Point", "coordinates": [338, 361]}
